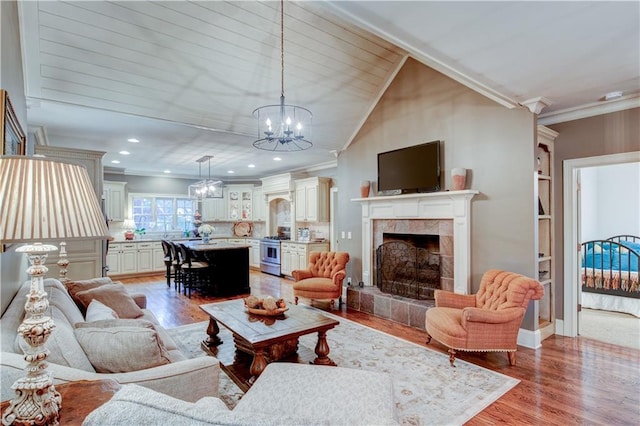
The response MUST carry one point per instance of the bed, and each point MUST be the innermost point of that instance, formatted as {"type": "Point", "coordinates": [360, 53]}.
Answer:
{"type": "Point", "coordinates": [609, 273]}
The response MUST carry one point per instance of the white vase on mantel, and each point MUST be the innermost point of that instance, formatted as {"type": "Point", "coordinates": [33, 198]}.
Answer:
{"type": "Point", "coordinates": [459, 177]}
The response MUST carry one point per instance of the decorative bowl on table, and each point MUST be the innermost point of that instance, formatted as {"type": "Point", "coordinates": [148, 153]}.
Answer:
{"type": "Point", "coordinates": [268, 305]}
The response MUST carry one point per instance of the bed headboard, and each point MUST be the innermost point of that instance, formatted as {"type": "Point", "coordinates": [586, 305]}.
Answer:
{"type": "Point", "coordinates": [619, 238]}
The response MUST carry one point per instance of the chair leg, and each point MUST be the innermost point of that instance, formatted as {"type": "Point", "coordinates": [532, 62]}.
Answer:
{"type": "Point", "coordinates": [512, 358]}
{"type": "Point", "coordinates": [452, 356]}
{"type": "Point", "coordinates": [168, 275]}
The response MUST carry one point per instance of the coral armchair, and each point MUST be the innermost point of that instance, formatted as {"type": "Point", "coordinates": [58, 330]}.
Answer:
{"type": "Point", "coordinates": [323, 277]}
{"type": "Point", "coordinates": [487, 321]}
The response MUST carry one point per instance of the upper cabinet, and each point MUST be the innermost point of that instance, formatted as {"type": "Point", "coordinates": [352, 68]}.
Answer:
{"type": "Point", "coordinates": [215, 209]}
{"type": "Point", "coordinates": [312, 199]}
{"type": "Point", "coordinates": [240, 204]}
{"type": "Point", "coordinates": [114, 200]}
{"type": "Point", "coordinates": [259, 205]}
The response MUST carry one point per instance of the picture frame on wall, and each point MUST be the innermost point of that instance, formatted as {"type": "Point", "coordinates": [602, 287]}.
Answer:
{"type": "Point", "coordinates": [13, 138]}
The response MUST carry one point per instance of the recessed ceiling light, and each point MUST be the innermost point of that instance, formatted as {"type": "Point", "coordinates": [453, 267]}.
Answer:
{"type": "Point", "coordinates": [125, 152]}
{"type": "Point", "coordinates": [230, 172]}
{"type": "Point", "coordinates": [167, 171]}
{"type": "Point", "coordinates": [251, 166]}
{"type": "Point", "coordinates": [277, 158]}
{"type": "Point", "coordinates": [115, 161]}
{"type": "Point", "coordinates": [133, 140]}
{"type": "Point", "coordinates": [612, 95]}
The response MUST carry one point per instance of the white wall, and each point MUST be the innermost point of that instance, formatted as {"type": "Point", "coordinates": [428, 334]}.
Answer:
{"type": "Point", "coordinates": [610, 201]}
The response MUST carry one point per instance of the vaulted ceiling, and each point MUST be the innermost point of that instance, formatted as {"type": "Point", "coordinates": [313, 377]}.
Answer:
{"type": "Point", "coordinates": [184, 77]}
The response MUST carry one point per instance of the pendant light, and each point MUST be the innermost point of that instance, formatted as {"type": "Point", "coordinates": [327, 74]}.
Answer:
{"type": "Point", "coordinates": [205, 188]}
{"type": "Point", "coordinates": [283, 127]}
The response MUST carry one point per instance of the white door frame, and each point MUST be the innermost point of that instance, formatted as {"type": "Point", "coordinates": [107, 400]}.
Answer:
{"type": "Point", "coordinates": [570, 220]}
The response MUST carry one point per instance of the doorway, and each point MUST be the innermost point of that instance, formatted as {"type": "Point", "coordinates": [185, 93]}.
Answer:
{"type": "Point", "coordinates": [571, 220]}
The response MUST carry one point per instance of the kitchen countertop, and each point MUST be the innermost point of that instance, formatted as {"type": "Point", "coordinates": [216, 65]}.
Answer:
{"type": "Point", "coordinates": [199, 246]}
{"type": "Point", "coordinates": [219, 237]}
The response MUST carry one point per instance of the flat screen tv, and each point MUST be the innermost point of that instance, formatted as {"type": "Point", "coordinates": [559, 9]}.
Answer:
{"type": "Point", "coordinates": [412, 169]}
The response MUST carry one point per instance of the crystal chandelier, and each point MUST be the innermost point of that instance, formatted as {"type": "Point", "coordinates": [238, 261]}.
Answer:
{"type": "Point", "coordinates": [283, 127]}
{"type": "Point", "coordinates": [205, 188]}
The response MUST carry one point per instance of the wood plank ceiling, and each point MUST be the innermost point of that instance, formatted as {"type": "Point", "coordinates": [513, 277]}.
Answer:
{"type": "Point", "coordinates": [206, 65]}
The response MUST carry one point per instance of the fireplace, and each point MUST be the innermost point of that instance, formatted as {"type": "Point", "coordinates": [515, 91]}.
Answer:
{"type": "Point", "coordinates": [408, 265]}
{"type": "Point", "coordinates": [446, 214]}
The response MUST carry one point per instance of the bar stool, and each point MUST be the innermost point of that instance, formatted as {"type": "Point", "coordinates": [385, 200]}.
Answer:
{"type": "Point", "coordinates": [194, 273]}
{"type": "Point", "coordinates": [168, 262]}
{"type": "Point", "coordinates": [176, 258]}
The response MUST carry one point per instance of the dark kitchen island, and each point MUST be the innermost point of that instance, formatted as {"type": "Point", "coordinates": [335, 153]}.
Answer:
{"type": "Point", "coordinates": [228, 266]}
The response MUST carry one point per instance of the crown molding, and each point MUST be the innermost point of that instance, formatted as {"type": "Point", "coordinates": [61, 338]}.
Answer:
{"type": "Point", "coordinates": [536, 105]}
{"type": "Point", "coordinates": [590, 110]}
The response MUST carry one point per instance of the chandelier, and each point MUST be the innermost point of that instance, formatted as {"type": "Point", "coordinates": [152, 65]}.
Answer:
{"type": "Point", "coordinates": [205, 188]}
{"type": "Point", "coordinates": [283, 127]}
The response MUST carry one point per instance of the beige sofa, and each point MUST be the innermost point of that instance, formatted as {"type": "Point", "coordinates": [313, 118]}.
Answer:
{"type": "Point", "coordinates": [186, 379]}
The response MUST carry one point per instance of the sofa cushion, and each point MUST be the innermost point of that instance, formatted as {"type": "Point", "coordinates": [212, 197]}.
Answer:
{"type": "Point", "coordinates": [99, 311]}
{"type": "Point", "coordinates": [114, 296]}
{"type": "Point", "coordinates": [59, 298]}
{"type": "Point", "coordinates": [63, 347]}
{"type": "Point", "coordinates": [119, 346]}
{"type": "Point", "coordinates": [74, 287]}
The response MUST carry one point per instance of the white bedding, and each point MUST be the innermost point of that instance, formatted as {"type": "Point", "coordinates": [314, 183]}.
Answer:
{"type": "Point", "coordinates": [607, 302]}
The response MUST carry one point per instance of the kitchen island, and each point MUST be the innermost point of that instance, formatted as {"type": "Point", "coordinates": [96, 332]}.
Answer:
{"type": "Point", "coordinates": [228, 266]}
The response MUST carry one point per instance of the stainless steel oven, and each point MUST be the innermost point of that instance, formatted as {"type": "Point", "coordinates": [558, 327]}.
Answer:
{"type": "Point", "coordinates": [270, 255]}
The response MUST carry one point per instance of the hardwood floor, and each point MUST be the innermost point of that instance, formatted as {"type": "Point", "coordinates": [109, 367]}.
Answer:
{"type": "Point", "coordinates": [566, 381]}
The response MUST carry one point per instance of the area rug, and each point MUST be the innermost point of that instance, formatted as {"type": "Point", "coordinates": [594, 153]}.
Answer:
{"type": "Point", "coordinates": [427, 390]}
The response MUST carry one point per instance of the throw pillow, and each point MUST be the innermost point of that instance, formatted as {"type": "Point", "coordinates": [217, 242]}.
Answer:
{"type": "Point", "coordinates": [99, 311]}
{"type": "Point", "coordinates": [114, 296]}
{"type": "Point", "coordinates": [74, 287]}
{"type": "Point", "coordinates": [121, 349]}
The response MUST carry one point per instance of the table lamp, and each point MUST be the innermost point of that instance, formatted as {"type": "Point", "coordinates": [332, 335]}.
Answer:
{"type": "Point", "coordinates": [42, 200]}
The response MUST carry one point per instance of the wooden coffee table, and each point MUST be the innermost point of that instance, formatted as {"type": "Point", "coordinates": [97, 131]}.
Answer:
{"type": "Point", "coordinates": [260, 339]}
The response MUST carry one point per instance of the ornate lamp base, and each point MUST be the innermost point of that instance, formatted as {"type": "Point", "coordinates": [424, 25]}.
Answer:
{"type": "Point", "coordinates": [37, 402]}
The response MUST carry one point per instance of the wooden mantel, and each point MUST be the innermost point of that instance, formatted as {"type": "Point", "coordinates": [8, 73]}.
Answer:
{"type": "Point", "coordinates": [455, 205]}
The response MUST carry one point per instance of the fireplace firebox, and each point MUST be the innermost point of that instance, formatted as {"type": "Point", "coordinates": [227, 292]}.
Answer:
{"type": "Point", "coordinates": [408, 265]}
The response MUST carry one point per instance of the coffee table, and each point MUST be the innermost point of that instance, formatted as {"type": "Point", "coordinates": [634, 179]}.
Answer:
{"type": "Point", "coordinates": [260, 339]}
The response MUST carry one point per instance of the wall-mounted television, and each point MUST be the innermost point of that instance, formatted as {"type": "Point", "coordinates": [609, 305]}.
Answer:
{"type": "Point", "coordinates": [412, 169]}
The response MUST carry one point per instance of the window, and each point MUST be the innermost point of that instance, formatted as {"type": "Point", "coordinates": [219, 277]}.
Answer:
{"type": "Point", "coordinates": [162, 214]}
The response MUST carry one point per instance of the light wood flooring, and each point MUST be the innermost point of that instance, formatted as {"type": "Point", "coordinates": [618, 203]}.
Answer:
{"type": "Point", "coordinates": [567, 381]}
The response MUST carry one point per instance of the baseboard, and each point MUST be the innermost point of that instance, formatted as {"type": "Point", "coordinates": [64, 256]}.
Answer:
{"type": "Point", "coordinates": [529, 339]}
{"type": "Point", "coordinates": [560, 327]}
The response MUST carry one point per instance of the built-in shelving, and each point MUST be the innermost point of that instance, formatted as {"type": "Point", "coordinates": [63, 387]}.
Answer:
{"type": "Point", "coordinates": [545, 229]}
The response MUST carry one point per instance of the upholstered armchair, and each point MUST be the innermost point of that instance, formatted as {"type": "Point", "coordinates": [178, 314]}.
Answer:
{"type": "Point", "coordinates": [487, 321]}
{"type": "Point", "coordinates": [323, 277]}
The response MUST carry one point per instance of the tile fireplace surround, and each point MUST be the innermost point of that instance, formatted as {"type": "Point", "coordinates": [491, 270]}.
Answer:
{"type": "Point", "coordinates": [447, 214]}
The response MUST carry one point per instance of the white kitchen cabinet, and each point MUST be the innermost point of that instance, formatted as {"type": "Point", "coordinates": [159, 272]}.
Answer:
{"type": "Point", "coordinates": [135, 257]}
{"type": "Point", "coordinates": [214, 209]}
{"type": "Point", "coordinates": [114, 200]}
{"type": "Point", "coordinates": [128, 258]}
{"type": "Point", "coordinates": [287, 252]}
{"type": "Point", "coordinates": [113, 259]}
{"type": "Point", "coordinates": [312, 199]}
{"type": "Point", "coordinates": [294, 255]}
{"type": "Point", "coordinates": [254, 254]}
{"type": "Point", "coordinates": [158, 256]}
{"type": "Point", "coordinates": [144, 257]}
{"type": "Point", "coordinates": [240, 204]}
{"type": "Point", "coordinates": [259, 205]}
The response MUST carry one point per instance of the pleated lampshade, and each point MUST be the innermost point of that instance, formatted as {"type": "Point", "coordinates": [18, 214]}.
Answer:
{"type": "Point", "coordinates": [43, 199]}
